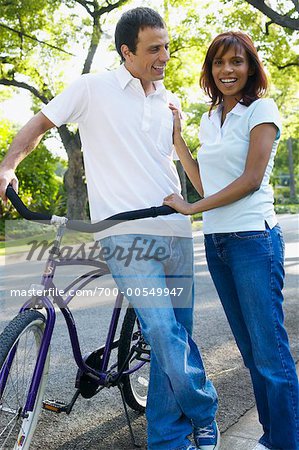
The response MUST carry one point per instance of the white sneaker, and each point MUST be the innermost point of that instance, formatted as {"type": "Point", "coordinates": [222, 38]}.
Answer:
{"type": "Point", "coordinates": [260, 447]}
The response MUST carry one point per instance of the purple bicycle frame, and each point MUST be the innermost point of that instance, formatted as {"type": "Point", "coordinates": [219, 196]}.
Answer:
{"type": "Point", "coordinates": [44, 301]}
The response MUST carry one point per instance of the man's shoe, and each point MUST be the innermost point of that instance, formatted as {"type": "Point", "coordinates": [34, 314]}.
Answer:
{"type": "Point", "coordinates": [207, 438]}
{"type": "Point", "coordinates": [260, 447]}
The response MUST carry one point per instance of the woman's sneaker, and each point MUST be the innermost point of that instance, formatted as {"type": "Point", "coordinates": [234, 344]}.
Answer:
{"type": "Point", "coordinates": [207, 438]}
{"type": "Point", "coordinates": [260, 447]}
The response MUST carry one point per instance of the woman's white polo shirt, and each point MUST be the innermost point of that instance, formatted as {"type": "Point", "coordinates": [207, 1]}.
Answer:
{"type": "Point", "coordinates": [222, 159]}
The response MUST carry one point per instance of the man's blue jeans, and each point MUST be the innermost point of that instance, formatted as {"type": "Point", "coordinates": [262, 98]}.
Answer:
{"type": "Point", "coordinates": [247, 270]}
{"type": "Point", "coordinates": [179, 391]}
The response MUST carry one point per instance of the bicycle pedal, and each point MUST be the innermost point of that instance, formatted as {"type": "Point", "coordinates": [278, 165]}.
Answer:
{"type": "Point", "coordinates": [54, 406]}
{"type": "Point", "coordinates": [143, 352]}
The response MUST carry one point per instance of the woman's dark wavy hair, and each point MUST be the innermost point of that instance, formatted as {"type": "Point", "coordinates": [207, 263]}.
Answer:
{"type": "Point", "coordinates": [257, 83]}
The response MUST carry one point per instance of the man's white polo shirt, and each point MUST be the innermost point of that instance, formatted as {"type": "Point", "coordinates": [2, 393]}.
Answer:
{"type": "Point", "coordinates": [222, 159]}
{"type": "Point", "coordinates": [127, 145]}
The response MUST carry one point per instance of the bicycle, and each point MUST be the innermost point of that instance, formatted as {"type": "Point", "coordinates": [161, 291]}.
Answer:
{"type": "Point", "coordinates": [25, 342]}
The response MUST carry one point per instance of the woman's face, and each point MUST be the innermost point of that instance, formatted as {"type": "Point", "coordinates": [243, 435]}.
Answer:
{"type": "Point", "coordinates": [231, 71]}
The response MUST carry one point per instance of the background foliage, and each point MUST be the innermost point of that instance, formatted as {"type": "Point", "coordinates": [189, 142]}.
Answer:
{"type": "Point", "coordinates": [45, 44]}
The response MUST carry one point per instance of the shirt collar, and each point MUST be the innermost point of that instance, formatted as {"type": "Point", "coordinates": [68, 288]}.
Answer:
{"type": "Point", "coordinates": [238, 110]}
{"type": "Point", "coordinates": [125, 77]}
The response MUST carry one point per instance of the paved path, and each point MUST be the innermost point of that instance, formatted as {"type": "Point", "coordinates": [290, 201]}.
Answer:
{"type": "Point", "coordinates": [99, 423]}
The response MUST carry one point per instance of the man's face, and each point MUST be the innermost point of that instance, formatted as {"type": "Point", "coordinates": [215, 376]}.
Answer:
{"type": "Point", "coordinates": [152, 53]}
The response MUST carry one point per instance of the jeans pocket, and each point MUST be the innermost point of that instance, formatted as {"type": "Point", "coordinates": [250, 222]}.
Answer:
{"type": "Point", "coordinates": [251, 234]}
{"type": "Point", "coordinates": [277, 232]}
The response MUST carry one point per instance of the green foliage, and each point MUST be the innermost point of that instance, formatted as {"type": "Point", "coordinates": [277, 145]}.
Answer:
{"type": "Point", "coordinates": [189, 36]}
{"type": "Point", "coordinates": [40, 185]}
{"type": "Point", "coordinates": [287, 209]}
{"type": "Point", "coordinates": [38, 39]}
{"type": "Point", "coordinates": [281, 160]}
{"type": "Point", "coordinates": [192, 28]}
{"type": "Point", "coordinates": [31, 33]}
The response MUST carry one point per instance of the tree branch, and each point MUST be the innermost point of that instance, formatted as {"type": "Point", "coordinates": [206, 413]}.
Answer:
{"type": "Point", "coordinates": [282, 20]}
{"type": "Point", "coordinates": [96, 30]}
{"type": "Point", "coordinates": [285, 66]}
{"type": "Point", "coordinates": [288, 65]}
{"type": "Point", "coordinates": [22, 85]}
{"type": "Point", "coordinates": [110, 7]}
{"type": "Point", "coordinates": [174, 49]}
{"type": "Point", "coordinates": [296, 4]}
{"type": "Point", "coordinates": [33, 38]}
{"type": "Point", "coordinates": [267, 26]}
{"type": "Point", "coordinates": [85, 5]}
{"type": "Point", "coordinates": [94, 43]}
{"type": "Point", "coordinates": [7, 60]}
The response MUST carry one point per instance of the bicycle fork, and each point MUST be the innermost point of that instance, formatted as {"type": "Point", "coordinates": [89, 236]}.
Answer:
{"type": "Point", "coordinates": [42, 355]}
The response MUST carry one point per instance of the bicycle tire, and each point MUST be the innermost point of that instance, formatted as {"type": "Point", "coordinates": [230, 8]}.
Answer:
{"type": "Point", "coordinates": [135, 386]}
{"type": "Point", "coordinates": [22, 335]}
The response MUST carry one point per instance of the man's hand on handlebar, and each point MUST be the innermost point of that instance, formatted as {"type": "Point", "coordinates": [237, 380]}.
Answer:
{"type": "Point", "coordinates": [7, 176]}
{"type": "Point", "coordinates": [86, 227]}
{"type": "Point", "coordinates": [24, 142]}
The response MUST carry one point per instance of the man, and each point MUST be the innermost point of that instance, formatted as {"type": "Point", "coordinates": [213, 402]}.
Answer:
{"type": "Point", "coordinates": [125, 126]}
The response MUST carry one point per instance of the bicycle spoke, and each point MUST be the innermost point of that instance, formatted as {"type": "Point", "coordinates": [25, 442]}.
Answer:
{"type": "Point", "coordinates": [8, 405]}
{"type": "Point", "coordinates": [10, 432]}
{"type": "Point", "coordinates": [7, 426]}
{"type": "Point", "coordinates": [20, 383]}
{"type": "Point", "coordinates": [19, 363]}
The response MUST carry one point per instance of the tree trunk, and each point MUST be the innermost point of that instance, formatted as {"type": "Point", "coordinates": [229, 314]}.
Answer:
{"type": "Point", "coordinates": [183, 179]}
{"type": "Point", "coordinates": [291, 169]}
{"type": "Point", "coordinates": [74, 177]}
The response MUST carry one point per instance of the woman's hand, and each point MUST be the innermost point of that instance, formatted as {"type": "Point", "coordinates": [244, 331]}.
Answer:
{"type": "Point", "coordinates": [177, 117]}
{"type": "Point", "coordinates": [178, 203]}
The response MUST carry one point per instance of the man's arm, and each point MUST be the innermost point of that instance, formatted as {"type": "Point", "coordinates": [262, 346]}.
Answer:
{"type": "Point", "coordinates": [25, 141]}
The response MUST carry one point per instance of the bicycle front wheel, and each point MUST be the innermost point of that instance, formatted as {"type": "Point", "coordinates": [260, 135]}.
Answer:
{"type": "Point", "coordinates": [19, 347]}
{"type": "Point", "coordinates": [135, 385]}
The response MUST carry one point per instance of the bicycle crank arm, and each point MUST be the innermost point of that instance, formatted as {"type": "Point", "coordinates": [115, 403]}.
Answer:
{"type": "Point", "coordinates": [59, 407]}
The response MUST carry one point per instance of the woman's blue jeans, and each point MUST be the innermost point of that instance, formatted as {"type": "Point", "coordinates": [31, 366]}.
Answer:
{"type": "Point", "coordinates": [247, 270]}
{"type": "Point", "coordinates": [178, 391]}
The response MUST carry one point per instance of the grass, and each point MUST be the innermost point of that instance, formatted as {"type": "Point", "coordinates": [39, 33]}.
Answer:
{"type": "Point", "coordinates": [25, 232]}
{"type": "Point", "coordinates": [287, 209]}
{"type": "Point", "coordinates": [24, 244]}
{"type": "Point", "coordinates": [197, 225]}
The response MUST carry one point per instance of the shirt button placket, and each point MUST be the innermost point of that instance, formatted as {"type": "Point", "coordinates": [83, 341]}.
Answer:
{"type": "Point", "coordinates": [147, 113]}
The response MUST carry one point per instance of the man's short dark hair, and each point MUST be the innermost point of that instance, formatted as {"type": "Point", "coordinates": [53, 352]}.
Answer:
{"type": "Point", "coordinates": [131, 22]}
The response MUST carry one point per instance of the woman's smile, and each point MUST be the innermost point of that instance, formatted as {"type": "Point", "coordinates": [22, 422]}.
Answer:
{"type": "Point", "coordinates": [230, 72]}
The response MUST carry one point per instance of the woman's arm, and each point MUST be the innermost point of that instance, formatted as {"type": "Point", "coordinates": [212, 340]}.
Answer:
{"type": "Point", "coordinates": [190, 165]}
{"type": "Point", "coordinates": [260, 146]}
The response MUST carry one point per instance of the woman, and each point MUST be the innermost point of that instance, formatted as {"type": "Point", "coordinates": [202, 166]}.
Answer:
{"type": "Point", "coordinates": [244, 244]}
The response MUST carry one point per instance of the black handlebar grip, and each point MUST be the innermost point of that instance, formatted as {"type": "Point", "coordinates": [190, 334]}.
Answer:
{"type": "Point", "coordinates": [154, 211]}
{"type": "Point", "coordinates": [87, 227]}
{"type": "Point", "coordinates": [22, 209]}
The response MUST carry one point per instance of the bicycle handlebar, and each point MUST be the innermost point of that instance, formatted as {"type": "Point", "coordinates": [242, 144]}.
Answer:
{"type": "Point", "coordinates": [22, 209]}
{"type": "Point", "coordinates": [86, 227]}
